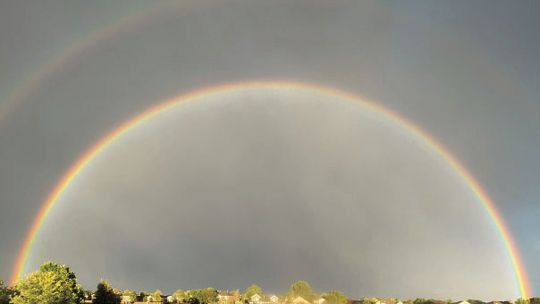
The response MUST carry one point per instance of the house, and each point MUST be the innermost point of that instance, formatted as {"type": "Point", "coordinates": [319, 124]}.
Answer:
{"type": "Point", "coordinates": [264, 299]}
{"type": "Point", "coordinates": [300, 300]}
{"type": "Point", "coordinates": [226, 297]}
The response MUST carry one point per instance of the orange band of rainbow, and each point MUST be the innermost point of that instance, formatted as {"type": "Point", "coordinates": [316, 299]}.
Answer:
{"type": "Point", "coordinates": [96, 149]}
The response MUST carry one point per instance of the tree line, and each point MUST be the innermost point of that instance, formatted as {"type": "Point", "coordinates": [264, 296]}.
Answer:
{"type": "Point", "coordinates": [53, 283]}
{"type": "Point", "coordinates": [57, 284]}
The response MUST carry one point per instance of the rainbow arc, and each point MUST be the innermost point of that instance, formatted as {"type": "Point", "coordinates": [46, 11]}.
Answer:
{"type": "Point", "coordinates": [87, 157]}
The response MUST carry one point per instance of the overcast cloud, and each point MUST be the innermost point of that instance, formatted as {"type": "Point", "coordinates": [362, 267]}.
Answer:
{"type": "Point", "coordinates": [466, 72]}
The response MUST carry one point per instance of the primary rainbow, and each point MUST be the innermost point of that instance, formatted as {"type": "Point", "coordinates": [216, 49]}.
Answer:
{"type": "Point", "coordinates": [96, 149]}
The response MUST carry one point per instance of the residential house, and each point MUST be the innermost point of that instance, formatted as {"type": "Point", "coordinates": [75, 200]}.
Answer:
{"type": "Point", "coordinates": [226, 297]}
{"type": "Point", "coordinates": [264, 299]}
{"type": "Point", "coordinates": [300, 300]}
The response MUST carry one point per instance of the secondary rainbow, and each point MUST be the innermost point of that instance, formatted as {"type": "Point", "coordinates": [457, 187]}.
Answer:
{"type": "Point", "coordinates": [101, 145]}
{"type": "Point", "coordinates": [73, 53]}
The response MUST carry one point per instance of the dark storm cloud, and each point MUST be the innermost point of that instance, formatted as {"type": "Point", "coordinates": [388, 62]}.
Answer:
{"type": "Point", "coordinates": [464, 72]}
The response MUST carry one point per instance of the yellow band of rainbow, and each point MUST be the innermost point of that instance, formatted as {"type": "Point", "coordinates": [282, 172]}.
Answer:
{"type": "Point", "coordinates": [96, 149]}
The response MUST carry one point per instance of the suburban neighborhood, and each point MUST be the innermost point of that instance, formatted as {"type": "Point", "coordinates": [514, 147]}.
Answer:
{"type": "Point", "coordinates": [57, 284]}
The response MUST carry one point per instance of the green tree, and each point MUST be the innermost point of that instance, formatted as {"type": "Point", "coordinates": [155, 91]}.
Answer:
{"type": "Point", "coordinates": [51, 284]}
{"type": "Point", "coordinates": [251, 290]}
{"type": "Point", "coordinates": [301, 289]}
{"type": "Point", "coordinates": [534, 300]}
{"type": "Point", "coordinates": [179, 296]}
{"type": "Point", "coordinates": [130, 295]}
{"type": "Point", "coordinates": [335, 297]}
{"type": "Point", "coordinates": [203, 296]}
{"type": "Point", "coordinates": [237, 296]}
{"type": "Point", "coordinates": [105, 294]}
{"type": "Point", "coordinates": [156, 296]}
{"type": "Point", "coordinates": [5, 293]}
{"type": "Point", "coordinates": [522, 301]}
{"type": "Point", "coordinates": [64, 271]}
{"type": "Point", "coordinates": [210, 295]}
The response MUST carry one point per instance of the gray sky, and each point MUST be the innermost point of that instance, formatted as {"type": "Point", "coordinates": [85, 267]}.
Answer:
{"type": "Point", "coordinates": [465, 72]}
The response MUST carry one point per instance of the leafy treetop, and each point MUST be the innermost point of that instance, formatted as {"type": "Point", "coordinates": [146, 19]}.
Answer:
{"type": "Point", "coordinates": [335, 297]}
{"type": "Point", "coordinates": [51, 284]}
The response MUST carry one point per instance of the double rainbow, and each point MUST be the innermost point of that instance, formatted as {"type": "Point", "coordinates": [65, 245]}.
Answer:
{"type": "Point", "coordinates": [439, 149]}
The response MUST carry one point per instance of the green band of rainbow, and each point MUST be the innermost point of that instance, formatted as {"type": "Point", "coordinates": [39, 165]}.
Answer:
{"type": "Point", "coordinates": [96, 149]}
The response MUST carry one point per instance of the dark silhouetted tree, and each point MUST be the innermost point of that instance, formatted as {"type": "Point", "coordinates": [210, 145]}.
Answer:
{"type": "Point", "coordinates": [193, 301]}
{"type": "Point", "coordinates": [105, 294]}
{"type": "Point", "coordinates": [5, 293]}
